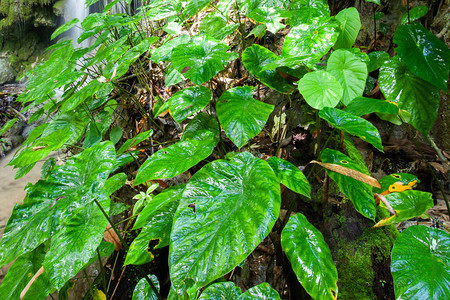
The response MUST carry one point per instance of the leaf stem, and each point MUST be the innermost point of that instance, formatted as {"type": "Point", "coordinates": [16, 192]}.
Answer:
{"type": "Point", "coordinates": [102, 269]}
{"type": "Point", "coordinates": [125, 245]}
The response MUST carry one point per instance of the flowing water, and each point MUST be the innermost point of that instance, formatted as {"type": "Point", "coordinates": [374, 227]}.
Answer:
{"type": "Point", "coordinates": [74, 9]}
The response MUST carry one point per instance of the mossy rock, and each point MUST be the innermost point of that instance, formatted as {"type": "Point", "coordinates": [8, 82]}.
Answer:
{"type": "Point", "coordinates": [361, 254]}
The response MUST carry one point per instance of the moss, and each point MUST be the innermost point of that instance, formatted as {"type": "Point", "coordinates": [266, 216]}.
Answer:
{"type": "Point", "coordinates": [356, 259]}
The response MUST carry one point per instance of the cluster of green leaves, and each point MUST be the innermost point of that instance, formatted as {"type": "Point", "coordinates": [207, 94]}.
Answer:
{"type": "Point", "coordinates": [229, 206]}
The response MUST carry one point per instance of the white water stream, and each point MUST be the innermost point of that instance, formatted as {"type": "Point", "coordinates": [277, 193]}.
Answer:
{"type": "Point", "coordinates": [77, 9]}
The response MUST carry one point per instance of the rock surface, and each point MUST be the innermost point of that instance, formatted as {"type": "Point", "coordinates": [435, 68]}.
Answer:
{"type": "Point", "coordinates": [6, 72]}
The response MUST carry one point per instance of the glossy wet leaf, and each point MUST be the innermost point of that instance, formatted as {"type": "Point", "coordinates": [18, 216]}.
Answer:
{"type": "Point", "coordinates": [312, 40]}
{"type": "Point", "coordinates": [241, 116]}
{"type": "Point", "coordinates": [262, 291]}
{"type": "Point", "coordinates": [63, 28]}
{"type": "Point", "coordinates": [156, 221]}
{"type": "Point", "coordinates": [320, 89]}
{"type": "Point", "coordinates": [359, 193]}
{"type": "Point", "coordinates": [396, 182]}
{"type": "Point", "coordinates": [304, 11]}
{"type": "Point", "coordinates": [363, 106]}
{"type": "Point", "coordinates": [163, 10]}
{"type": "Point", "coordinates": [354, 154]}
{"type": "Point", "coordinates": [407, 205]}
{"type": "Point", "coordinates": [37, 219]}
{"type": "Point", "coordinates": [374, 1]}
{"type": "Point", "coordinates": [193, 7]}
{"type": "Point", "coordinates": [426, 55]}
{"type": "Point", "coordinates": [290, 176]}
{"type": "Point", "coordinates": [201, 59]}
{"type": "Point", "coordinates": [21, 272]}
{"type": "Point", "coordinates": [175, 159]}
{"type": "Point", "coordinates": [207, 243]}
{"type": "Point", "coordinates": [350, 22]}
{"type": "Point", "coordinates": [269, 15]}
{"type": "Point", "coordinates": [143, 290]}
{"type": "Point", "coordinates": [74, 244]}
{"type": "Point", "coordinates": [41, 148]}
{"type": "Point", "coordinates": [75, 121]}
{"type": "Point", "coordinates": [353, 125]}
{"type": "Point", "coordinates": [186, 102]}
{"type": "Point", "coordinates": [163, 52]}
{"type": "Point", "coordinates": [201, 127]}
{"type": "Point", "coordinates": [310, 257]}
{"type": "Point", "coordinates": [411, 93]}
{"type": "Point", "coordinates": [8, 125]}
{"type": "Point", "coordinates": [115, 134]}
{"type": "Point", "coordinates": [421, 263]}
{"type": "Point", "coordinates": [415, 13]}
{"type": "Point", "coordinates": [377, 59]}
{"type": "Point", "coordinates": [134, 141]}
{"type": "Point", "coordinates": [255, 58]}
{"type": "Point", "coordinates": [221, 291]}
{"type": "Point", "coordinates": [350, 72]}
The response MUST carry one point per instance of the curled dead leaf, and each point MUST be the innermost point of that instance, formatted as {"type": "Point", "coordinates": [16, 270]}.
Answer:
{"type": "Point", "coordinates": [112, 237]}
{"type": "Point", "coordinates": [350, 173]}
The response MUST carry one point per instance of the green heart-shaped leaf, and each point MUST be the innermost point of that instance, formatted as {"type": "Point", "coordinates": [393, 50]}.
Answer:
{"type": "Point", "coordinates": [312, 40]}
{"type": "Point", "coordinates": [255, 58]}
{"type": "Point", "coordinates": [394, 183]}
{"type": "Point", "coordinates": [75, 243]}
{"type": "Point", "coordinates": [304, 11]}
{"type": "Point", "coordinates": [157, 229]}
{"type": "Point", "coordinates": [207, 243]}
{"type": "Point", "coordinates": [143, 290]}
{"type": "Point", "coordinates": [262, 291]}
{"type": "Point", "coordinates": [221, 291]}
{"type": "Point", "coordinates": [290, 176]}
{"type": "Point", "coordinates": [414, 14]}
{"type": "Point", "coordinates": [200, 127]}
{"type": "Point", "coordinates": [164, 52]}
{"type": "Point", "coordinates": [241, 116]}
{"type": "Point", "coordinates": [175, 159]}
{"type": "Point", "coordinates": [201, 59]}
{"type": "Point", "coordinates": [376, 60]}
{"type": "Point", "coordinates": [186, 102]}
{"type": "Point", "coordinates": [19, 274]}
{"type": "Point", "coordinates": [363, 106]}
{"type": "Point", "coordinates": [193, 7]}
{"type": "Point", "coordinates": [358, 192]}
{"type": "Point", "coordinates": [352, 125]}
{"type": "Point", "coordinates": [350, 22]}
{"type": "Point", "coordinates": [269, 15]}
{"type": "Point", "coordinates": [411, 93]}
{"type": "Point", "coordinates": [310, 257]}
{"type": "Point", "coordinates": [407, 205]}
{"type": "Point", "coordinates": [426, 55]}
{"type": "Point", "coordinates": [36, 220]}
{"type": "Point", "coordinates": [421, 264]}
{"type": "Point", "coordinates": [350, 71]}
{"type": "Point", "coordinates": [320, 89]}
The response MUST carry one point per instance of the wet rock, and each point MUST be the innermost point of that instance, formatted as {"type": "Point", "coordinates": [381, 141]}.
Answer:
{"type": "Point", "coordinates": [6, 72]}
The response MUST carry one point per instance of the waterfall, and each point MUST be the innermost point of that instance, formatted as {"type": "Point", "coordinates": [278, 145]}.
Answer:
{"type": "Point", "coordinates": [73, 9]}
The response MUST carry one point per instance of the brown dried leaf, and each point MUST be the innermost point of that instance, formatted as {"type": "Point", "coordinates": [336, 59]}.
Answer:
{"type": "Point", "coordinates": [350, 173]}
{"type": "Point", "coordinates": [112, 237]}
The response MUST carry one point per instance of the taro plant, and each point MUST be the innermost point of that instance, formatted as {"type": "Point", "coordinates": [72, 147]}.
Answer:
{"type": "Point", "coordinates": [187, 57]}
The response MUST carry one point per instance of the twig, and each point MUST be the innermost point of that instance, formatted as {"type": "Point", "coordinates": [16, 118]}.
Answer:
{"type": "Point", "coordinates": [118, 282]}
